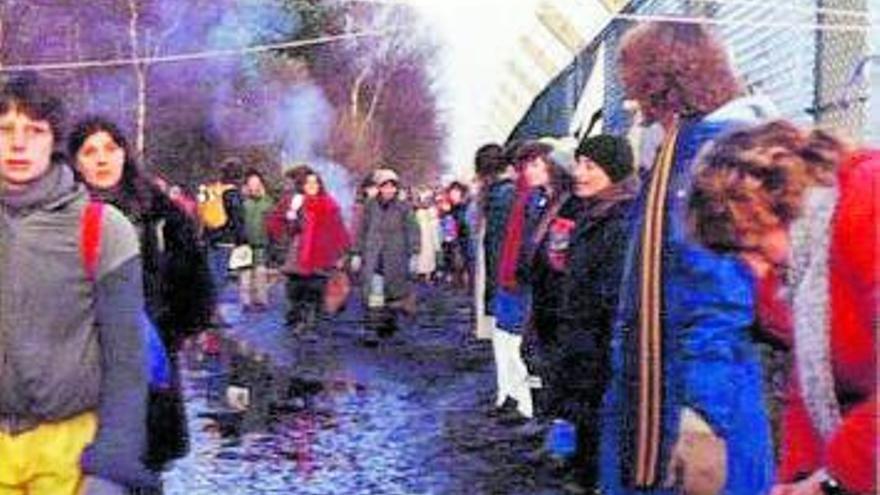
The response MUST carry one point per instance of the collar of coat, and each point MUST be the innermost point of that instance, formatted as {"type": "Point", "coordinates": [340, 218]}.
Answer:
{"type": "Point", "coordinates": [810, 292]}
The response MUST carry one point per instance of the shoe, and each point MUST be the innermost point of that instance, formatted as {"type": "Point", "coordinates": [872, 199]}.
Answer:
{"type": "Point", "coordinates": [496, 411]}
{"type": "Point", "coordinates": [510, 416]}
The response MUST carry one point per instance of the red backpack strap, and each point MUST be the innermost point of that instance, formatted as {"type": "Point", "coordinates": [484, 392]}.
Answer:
{"type": "Point", "coordinates": [90, 238]}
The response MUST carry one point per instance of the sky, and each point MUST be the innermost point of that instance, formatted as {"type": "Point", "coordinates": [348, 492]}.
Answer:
{"type": "Point", "coordinates": [477, 37]}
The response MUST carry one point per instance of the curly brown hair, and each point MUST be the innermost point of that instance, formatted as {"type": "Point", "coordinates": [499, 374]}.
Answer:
{"type": "Point", "coordinates": [676, 68]}
{"type": "Point", "coordinates": [751, 181]}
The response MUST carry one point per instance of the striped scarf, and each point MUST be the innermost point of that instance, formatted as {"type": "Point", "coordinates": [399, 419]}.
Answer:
{"type": "Point", "coordinates": [642, 435]}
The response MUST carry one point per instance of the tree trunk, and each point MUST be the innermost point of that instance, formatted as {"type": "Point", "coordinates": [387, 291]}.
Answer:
{"type": "Point", "coordinates": [140, 72]}
{"type": "Point", "coordinates": [356, 93]}
{"type": "Point", "coordinates": [371, 111]}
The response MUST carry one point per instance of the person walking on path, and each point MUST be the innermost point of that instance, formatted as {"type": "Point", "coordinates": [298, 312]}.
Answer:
{"type": "Point", "coordinates": [386, 254]}
{"type": "Point", "coordinates": [177, 282]}
{"type": "Point", "coordinates": [221, 214]}
{"type": "Point", "coordinates": [73, 374]}
{"type": "Point", "coordinates": [318, 243]}
{"type": "Point", "coordinates": [254, 280]}
{"type": "Point", "coordinates": [429, 234]}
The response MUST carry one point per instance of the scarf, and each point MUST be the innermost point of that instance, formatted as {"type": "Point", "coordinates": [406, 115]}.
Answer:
{"type": "Point", "coordinates": [642, 428]}
{"type": "Point", "coordinates": [323, 239]}
{"type": "Point", "coordinates": [602, 203]}
{"type": "Point", "coordinates": [54, 184]}
{"type": "Point", "coordinates": [809, 282]}
{"type": "Point", "coordinates": [513, 239]}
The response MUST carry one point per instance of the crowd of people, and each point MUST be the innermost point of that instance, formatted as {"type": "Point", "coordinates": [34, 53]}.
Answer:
{"type": "Point", "coordinates": [631, 300]}
{"type": "Point", "coordinates": [626, 300]}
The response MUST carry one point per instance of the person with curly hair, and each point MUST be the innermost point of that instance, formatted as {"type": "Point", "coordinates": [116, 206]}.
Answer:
{"type": "Point", "coordinates": [684, 409]}
{"type": "Point", "coordinates": [797, 207]}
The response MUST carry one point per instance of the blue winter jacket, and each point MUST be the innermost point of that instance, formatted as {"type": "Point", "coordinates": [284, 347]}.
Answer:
{"type": "Point", "coordinates": [497, 206]}
{"type": "Point", "coordinates": [511, 306]}
{"type": "Point", "coordinates": [709, 362]}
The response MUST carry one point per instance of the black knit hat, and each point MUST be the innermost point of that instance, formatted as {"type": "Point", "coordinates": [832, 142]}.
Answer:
{"type": "Point", "coordinates": [612, 153]}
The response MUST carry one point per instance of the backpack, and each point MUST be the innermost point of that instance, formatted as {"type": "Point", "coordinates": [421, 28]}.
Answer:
{"type": "Point", "coordinates": [212, 211]}
{"type": "Point", "coordinates": [167, 432]}
{"type": "Point", "coordinates": [90, 251]}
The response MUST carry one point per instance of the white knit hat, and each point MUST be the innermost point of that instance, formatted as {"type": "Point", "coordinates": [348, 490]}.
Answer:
{"type": "Point", "coordinates": [383, 175]}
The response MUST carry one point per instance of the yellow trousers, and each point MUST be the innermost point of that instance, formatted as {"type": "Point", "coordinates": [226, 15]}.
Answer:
{"type": "Point", "coordinates": [45, 460]}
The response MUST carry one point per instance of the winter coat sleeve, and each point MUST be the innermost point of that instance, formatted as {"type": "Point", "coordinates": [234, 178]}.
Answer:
{"type": "Point", "coordinates": [851, 453]}
{"type": "Point", "coordinates": [363, 228]}
{"type": "Point", "coordinates": [120, 443]}
{"type": "Point", "coordinates": [714, 302]}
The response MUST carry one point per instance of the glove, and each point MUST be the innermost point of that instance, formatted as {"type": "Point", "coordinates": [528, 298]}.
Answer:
{"type": "Point", "coordinates": [296, 203]}
{"type": "Point", "coordinates": [355, 264]}
{"type": "Point", "coordinates": [414, 264]}
{"type": "Point", "coordinates": [698, 465]}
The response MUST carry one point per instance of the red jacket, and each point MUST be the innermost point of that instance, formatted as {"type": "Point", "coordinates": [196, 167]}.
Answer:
{"type": "Point", "coordinates": [321, 236]}
{"type": "Point", "coordinates": [850, 455]}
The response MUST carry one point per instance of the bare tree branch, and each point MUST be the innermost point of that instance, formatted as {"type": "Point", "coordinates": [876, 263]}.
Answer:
{"type": "Point", "coordinates": [141, 77]}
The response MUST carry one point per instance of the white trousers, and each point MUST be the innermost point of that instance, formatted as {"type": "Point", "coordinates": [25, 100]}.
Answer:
{"type": "Point", "coordinates": [484, 323]}
{"type": "Point", "coordinates": [511, 372]}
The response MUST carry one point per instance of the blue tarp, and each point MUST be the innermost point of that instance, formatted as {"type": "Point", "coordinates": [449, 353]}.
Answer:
{"type": "Point", "coordinates": [552, 110]}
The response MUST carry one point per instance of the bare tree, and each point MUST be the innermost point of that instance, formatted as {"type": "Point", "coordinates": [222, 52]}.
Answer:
{"type": "Point", "coordinates": [140, 72]}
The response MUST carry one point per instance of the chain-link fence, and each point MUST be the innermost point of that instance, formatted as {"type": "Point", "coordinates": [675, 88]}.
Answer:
{"type": "Point", "coordinates": [804, 55]}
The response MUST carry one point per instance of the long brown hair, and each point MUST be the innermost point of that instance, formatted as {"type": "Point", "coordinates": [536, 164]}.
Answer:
{"type": "Point", "coordinates": [135, 193]}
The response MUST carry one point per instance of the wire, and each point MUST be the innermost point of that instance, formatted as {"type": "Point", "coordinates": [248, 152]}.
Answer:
{"type": "Point", "coordinates": [184, 57]}
{"type": "Point", "coordinates": [722, 22]}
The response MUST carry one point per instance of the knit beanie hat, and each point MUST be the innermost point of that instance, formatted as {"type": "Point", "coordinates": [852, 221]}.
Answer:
{"type": "Point", "coordinates": [612, 153]}
{"type": "Point", "coordinates": [383, 175]}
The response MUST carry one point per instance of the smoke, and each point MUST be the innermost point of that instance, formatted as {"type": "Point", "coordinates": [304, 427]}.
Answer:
{"type": "Point", "coordinates": [252, 103]}
{"type": "Point", "coordinates": [244, 101]}
{"type": "Point", "coordinates": [303, 122]}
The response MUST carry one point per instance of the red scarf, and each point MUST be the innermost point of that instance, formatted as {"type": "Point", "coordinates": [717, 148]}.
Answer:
{"type": "Point", "coordinates": [513, 239]}
{"type": "Point", "coordinates": [323, 239]}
